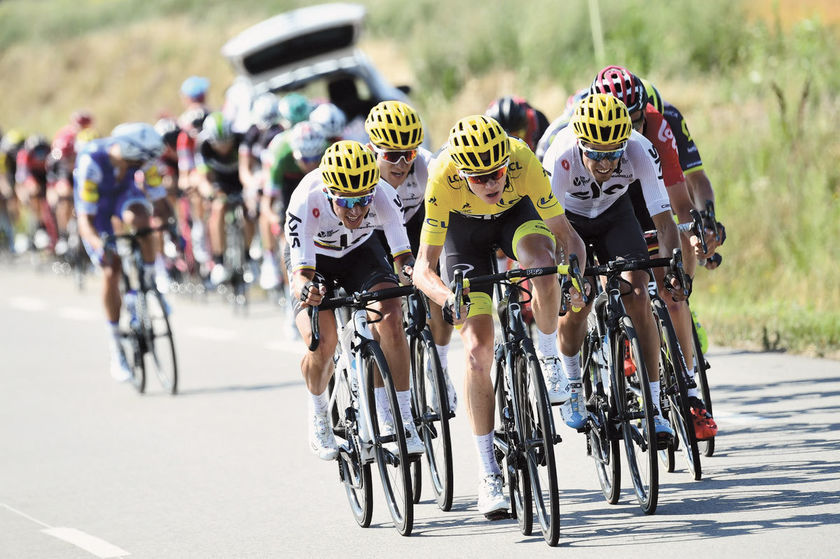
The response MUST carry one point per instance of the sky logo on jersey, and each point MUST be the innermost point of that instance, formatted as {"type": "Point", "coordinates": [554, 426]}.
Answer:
{"type": "Point", "coordinates": [292, 224]}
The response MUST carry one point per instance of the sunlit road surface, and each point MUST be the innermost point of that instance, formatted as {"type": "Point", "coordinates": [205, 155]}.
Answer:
{"type": "Point", "coordinates": [89, 468]}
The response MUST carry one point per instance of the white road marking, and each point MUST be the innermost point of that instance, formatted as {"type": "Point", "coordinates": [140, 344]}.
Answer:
{"type": "Point", "coordinates": [208, 333]}
{"type": "Point", "coordinates": [91, 544]}
{"type": "Point", "coordinates": [27, 303]}
{"type": "Point", "coordinates": [738, 418]}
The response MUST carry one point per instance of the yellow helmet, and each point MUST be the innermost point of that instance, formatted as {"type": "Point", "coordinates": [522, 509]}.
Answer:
{"type": "Point", "coordinates": [477, 144]}
{"type": "Point", "coordinates": [348, 167]}
{"type": "Point", "coordinates": [394, 125]}
{"type": "Point", "coordinates": [601, 119]}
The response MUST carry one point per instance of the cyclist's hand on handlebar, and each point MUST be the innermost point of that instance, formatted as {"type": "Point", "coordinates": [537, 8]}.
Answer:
{"type": "Point", "coordinates": [312, 294]}
{"type": "Point", "coordinates": [449, 309]}
{"type": "Point", "coordinates": [405, 271]}
{"type": "Point", "coordinates": [711, 244]}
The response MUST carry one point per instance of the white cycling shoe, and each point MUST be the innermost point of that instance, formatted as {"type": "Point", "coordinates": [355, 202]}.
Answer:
{"type": "Point", "coordinates": [492, 501]}
{"type": "Point", "coordinates": [120, 370]}
{"type": "Point", "coordinates": [321, 439]}
{"type": "Point", "coordinates": [269, 278]}
{"type": "Point", "coordinates": [555, 380]}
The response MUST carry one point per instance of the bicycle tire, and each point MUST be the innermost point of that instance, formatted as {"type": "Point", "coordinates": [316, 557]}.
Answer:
{"type": "Point", "coordinates": [708, 445]}
{"type": "Point", "coordinates": [507, 453]}
{"type": "Point", "coordinates": [538, 430]}
{"type": "Point", "coordinates": [132, 342]}
{"type": "Point", "coordinates": [353, 470]}
{"type": "Point", "coordinates": [674, 389]}
{"type": "Point", "coordinates": [602, 442]}
{"type": "Point", "coordinates": [235, 258]}
{"type": "Point", "coordinates": [635, 412]}
{"type": "Point", "coordinates": [393, 467]}
{"type": "Point", "coordinates": [433, 426]}
{"type": "Point", "coordinates": [161, 343]}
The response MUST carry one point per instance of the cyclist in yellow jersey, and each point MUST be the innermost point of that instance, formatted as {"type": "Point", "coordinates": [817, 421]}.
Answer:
{"type": "Point", "coordinates": [486, 190]}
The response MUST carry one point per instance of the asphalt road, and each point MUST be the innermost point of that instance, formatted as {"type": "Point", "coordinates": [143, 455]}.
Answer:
{"type": "Point", "coordinates": [89, 468]}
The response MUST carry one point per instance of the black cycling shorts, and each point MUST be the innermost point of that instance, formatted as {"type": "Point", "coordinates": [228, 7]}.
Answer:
{"type": "Point", "coordinates": [358, 270]}
{"type": "Point", "coordinates": [614, 233]}
{"type": "Point", "coordinates": [470, 242]}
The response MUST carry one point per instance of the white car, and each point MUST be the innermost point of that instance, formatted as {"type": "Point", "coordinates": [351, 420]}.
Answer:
{"type": "Point", "coordinates": [312, 50]}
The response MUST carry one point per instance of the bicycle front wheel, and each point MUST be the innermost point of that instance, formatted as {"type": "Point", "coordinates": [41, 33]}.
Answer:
{"type": "Point", "coordinates": [675, 392]}
{"type": "Point", "coordinates": [602, 440]}
{"type": "Point", "coordinates": [391, 455]}
{"type": "Point", "coordinates": [431, 411]}
{"type": "Point", "coordinates": [636, 411]}
{"type": "Point", "coordinates": [354, 472]}
{"type": "Point", "coordinates": [537, 429]}
{"type": "Point", "coordinates": [509, 455]}
{"type": "Point", "coordinates": [161, 346]}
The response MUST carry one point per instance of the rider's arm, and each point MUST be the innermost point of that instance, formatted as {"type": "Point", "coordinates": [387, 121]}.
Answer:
{"type": "Point", "coordinates": [567, 239]}
{"type": "Point", "coordinates": [387, 203]}
{"type": "Point", "coordinates": [425, 277]}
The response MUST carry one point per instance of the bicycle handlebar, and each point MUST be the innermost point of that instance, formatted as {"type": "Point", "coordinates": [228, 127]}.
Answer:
{"type": "Point", "coordinates": [357, 300]}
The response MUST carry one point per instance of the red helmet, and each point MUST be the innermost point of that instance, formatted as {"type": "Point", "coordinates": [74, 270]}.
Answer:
{"type": "Point", "coordinates": [81, 118]}
{"type": "Point", "coordinates": [620, 83]}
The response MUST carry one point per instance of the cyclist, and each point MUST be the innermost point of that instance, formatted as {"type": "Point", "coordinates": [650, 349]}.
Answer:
{"type": "Point", "coordinates": [190, 124]}
{"type": "Point", "coordinates": [217, 166]}
{"type": "Point", "coordinates": [31, 179]}
{"type": "Point", "coordinates": [330, 225]}
{"type": "Point", "coordinates": [487, 190]}
{"type": "Point", "coordinates": [592, 163]}
{"type": "Point", "coordinates": [518, 118]}
{"type": "Point", "coordinates": [396, 132]}
{"type": "Point", "coordinates": [10, 145]}
{"type": "Point", "coordinates": [330, 120]}
{"type": "Point", "coordinates": [286, 160]}
{"type": "Point", "coordinates": [104, 189]}
{"type": "Point", "coordinates": [650, 122]}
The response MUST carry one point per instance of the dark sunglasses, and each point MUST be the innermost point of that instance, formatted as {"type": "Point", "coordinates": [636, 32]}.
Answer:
{"type": "Point", "coordinates": [484, 178]}
{"type": "Point", "coordinates": [349, 202]}
{"type": "Point", "coordinates": [596, 155]}
{"type": "Point", "coordinates": [394, 156]}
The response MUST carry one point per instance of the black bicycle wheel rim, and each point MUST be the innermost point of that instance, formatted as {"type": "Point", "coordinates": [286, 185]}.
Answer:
{"type": "Point", "coordinates": [133, 342]}
{"type": "Point", "coordinates": [510, 463]}
{"type": "Point", "coordinates": [675, 390]}
{"type": "Point", "coordinates": [433, 426]}
{"type": "Point", "coordinates": [525, 500]}
{"type": "Point", "coordinates": [602, 447]}
{"type": "Point", "coordinates": [356, 474]}
{"type": "Point", "coordinates": [707, 446]}
{"type": "Point", "coordinates": [636, 411]}
{"type": "Point", "coordinates": [394, 470]}
{"type": "Point", "coordinates": [539, 430]}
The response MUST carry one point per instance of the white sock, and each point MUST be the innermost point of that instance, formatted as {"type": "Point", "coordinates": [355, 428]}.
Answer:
{"type": "Point", "coordinates": [547, 343]}
{"type": "Point", "coordinates": [268, 256]}
{"type": "Point", "coordinates": [571, 366]}
{"type": "Point", "coordinates": [654, 393]}
{"type": "Point", "coordinates": [383, 408]}
{"type": "Point", "coordinates": [318, 403]}
{"type": "Point", "coordinates": [404, 400]}
{"type": "Point", "coordinates": [443, 353]}
{"type": "Point", "coordinates": [114, 330]}
{"type": "Point", "coordinates": [692, 392]}
{"type": "Point", "coordinates": [149, 274]}
{"type": "Point", "coordinates": [486, 455]}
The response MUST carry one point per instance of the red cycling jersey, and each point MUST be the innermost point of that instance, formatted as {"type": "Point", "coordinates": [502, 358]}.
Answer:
{"type": "Point", "coordinates": [661, 136]}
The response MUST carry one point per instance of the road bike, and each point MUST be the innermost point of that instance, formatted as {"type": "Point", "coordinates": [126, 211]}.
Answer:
{"type": "Point", "coordinates": [359, 363]}
{"type": "Point", "coordinates": [525, 437]}
{"type": "Point", "coordinates": [145, 332]}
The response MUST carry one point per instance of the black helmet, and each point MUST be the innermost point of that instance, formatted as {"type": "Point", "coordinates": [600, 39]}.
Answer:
{"type": "Point", "coordinates": [510, 112]}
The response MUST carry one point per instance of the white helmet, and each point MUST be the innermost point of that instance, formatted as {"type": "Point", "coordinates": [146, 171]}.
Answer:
{"type": "Point", "coordinates": [138, 141]}
{"type": "Point", "coordinates": [306, 141]}
{"type": "Point", "coordinates": [265, 110]}
{"type": "Point", "coordinates": [329, 119]}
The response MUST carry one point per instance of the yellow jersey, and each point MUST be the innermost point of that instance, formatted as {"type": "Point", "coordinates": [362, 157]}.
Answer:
{"type": "Point", "coordinates": [447, 192]}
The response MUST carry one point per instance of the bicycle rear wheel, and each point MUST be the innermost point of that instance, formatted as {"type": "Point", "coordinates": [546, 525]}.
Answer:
{"type": "Point", "coordinates": [431, 412]}
{"type": "Point", "coordinates": [675, 392]}
{"type": "Point", "coordinates": [235, 258]}
{"type": "Point", "coordinates": [133, 345]}
{"type": "Point", "coordinates": [635, 411]}
{"type": "Point", "coordinates": [602, 440]}
{"type": "Point", "coordinates": [707, 446]}
{"type": "Point", "coordinates": [353, 471]}
{"type": "Point", "coordinates": [391, 455]}
{"type": "Point", "coordinates": [537, 429]}
{"type": "Point", "coordinates": [160, 343]}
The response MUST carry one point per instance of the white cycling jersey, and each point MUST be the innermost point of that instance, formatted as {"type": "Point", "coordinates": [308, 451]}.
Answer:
{"type": "Point", "coordinates": [581, 194]}
{"type": "Point", "coordinates": [413, 190]}
{"type": "Point", "coordinates": [312, 226]}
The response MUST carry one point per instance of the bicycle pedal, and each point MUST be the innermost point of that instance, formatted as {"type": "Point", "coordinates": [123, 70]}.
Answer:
{"type": "Point", "coordinates": [559, 439]}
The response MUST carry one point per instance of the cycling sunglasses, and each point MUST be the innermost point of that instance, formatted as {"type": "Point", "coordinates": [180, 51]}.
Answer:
{"type": "Point", "coordinates": [350, 202]}
{"type": "Point", "coordinates": [484, 178]}
{"type": "Point", "coordinates": [596, 155]}
{"type": "Point", "coordinates": [394, 156]}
